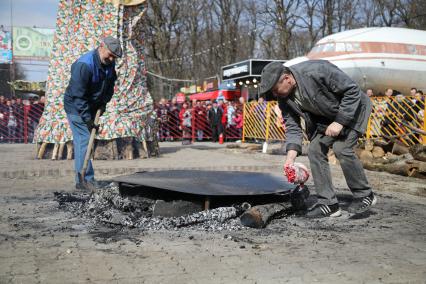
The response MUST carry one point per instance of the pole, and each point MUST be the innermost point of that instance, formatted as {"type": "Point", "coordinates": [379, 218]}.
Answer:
{"type": "Point", "coordinates": [89, 148]}
{"type": "Point", "coordinates": [12, 65]}
{"type": "Point", "coordinates": [244, 122]}
{"type": "Point", "coordinates": [424, 119]}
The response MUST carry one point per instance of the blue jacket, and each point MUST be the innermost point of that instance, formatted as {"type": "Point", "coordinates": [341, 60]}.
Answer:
{"type": "Point", "coordinates": [91, 86]}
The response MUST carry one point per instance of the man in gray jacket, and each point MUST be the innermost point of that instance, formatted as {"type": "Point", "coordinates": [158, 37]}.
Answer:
{"type": "Point", "coordinates": [336, 114]}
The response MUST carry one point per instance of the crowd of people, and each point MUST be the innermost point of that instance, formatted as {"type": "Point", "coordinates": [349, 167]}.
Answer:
{"type": "Point", "coordinates": [19, 118]}
{"type": "Point", "coordinates": [390, 113]}
{"type": "Point", "coordinates": [210, 119]}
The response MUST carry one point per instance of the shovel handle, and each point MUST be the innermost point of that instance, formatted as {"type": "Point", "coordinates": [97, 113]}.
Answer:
{"type": "Point", "coordinates": [89, 147]}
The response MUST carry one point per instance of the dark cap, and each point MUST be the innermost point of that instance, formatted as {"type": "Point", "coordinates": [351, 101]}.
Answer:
{"type": "Point", "coordinates": [113, 45]}
{"type": "Point", "coordinates": [271, 73]}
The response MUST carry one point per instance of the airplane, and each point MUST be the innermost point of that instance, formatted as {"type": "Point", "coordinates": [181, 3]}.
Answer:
{"type": "Point", "coordinates": [377, 57]}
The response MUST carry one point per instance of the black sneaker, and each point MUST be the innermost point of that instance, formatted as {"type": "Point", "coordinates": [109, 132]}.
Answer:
{"type": "Point", "coordinates": [321, 211]}
{"type": "Point", "coordinates": [360, 205]}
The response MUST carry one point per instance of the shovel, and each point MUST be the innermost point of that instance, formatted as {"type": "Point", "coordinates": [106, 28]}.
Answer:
{"type": "Point", "coordinates": [89, 148]}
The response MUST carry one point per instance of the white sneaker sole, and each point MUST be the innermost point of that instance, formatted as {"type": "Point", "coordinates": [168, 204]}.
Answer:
{"type": "Point", "coordinates": [338, 213]}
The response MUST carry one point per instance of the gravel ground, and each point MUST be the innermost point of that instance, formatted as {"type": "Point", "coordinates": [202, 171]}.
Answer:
{"type": "Point", "coordinates": [40, 242]}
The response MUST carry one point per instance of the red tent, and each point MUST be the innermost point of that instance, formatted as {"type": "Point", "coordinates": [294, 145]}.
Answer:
{"type": "Point", "coordinates": [217, 94]}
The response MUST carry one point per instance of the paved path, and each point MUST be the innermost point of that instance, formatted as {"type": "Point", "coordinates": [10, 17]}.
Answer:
{"type": "Point", "coordinates": [39, 243]}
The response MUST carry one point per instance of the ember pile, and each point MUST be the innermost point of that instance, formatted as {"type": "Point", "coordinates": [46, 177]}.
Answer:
{"type": "Point", "coordinates": [108, 206]}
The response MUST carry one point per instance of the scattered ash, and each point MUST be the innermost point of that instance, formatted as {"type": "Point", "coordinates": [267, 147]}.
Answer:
{"type": "Point", "coordinates": [107, 206]}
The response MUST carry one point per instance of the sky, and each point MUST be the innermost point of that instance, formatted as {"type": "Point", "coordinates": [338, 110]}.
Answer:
{"type": "Point", "coordinates": [39, 13]}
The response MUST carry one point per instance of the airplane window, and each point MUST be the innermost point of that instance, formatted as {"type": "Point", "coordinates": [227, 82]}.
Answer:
{"type": "Point", "coordinates": [349, 47]}
{"type": "Point", "coordinates": [356, 46]}
{"type": "Point", "coordinates": [329, 47]}
{"type": "Point", "coordinates": [317, 48]}
{"type": "Point", "coordinates": [412, 49]}
{"type": "Point", "coordinates": [340, 47]}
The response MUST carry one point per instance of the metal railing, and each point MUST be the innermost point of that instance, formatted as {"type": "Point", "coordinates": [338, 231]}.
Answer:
{"type": "Point", "coordinates": [18, 122]}
{"type": "Point", "coordinates": [400, 118]}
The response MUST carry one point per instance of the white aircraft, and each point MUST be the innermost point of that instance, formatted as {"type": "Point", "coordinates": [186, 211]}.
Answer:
{"type": "Point", "coordinates": [376, 58]}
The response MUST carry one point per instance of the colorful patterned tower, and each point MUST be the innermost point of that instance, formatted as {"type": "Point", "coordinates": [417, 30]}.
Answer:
{"type": "Point", "coordinates": [80, 27]}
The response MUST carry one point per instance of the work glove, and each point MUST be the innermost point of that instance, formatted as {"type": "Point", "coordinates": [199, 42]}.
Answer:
{"type": "Point", "coordinates": [91, 125]}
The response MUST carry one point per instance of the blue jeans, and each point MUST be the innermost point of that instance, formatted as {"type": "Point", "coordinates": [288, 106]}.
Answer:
{"type": "Point", "coordinates": [81, 136]}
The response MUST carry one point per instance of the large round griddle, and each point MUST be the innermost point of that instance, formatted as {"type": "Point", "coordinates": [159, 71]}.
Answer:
{"type": "Point", "coordinates": [211, 183]}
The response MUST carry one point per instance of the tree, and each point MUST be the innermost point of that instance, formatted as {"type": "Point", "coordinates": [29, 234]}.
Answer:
{"type": "Point", "coordinates": [7, 74]}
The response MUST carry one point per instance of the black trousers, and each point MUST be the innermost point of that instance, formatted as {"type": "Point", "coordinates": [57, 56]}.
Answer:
{"type": "Point", "coordinates": [216, 131]}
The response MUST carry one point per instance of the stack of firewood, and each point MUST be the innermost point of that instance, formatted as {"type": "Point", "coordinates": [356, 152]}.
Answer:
{"type": "Point", "coordinates": [393, 156]}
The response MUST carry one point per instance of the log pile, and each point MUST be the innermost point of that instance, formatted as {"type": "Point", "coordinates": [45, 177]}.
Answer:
{"type": "Point", "coordinates": [115, 149]}
{"type": "Point", "coordinates": [394, 157]}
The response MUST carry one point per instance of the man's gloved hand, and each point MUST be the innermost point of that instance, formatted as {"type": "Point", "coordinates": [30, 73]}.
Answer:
{"type": "Point", "coordinates": [91, 124]}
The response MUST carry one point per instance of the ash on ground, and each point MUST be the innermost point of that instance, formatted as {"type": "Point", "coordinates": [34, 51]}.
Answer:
{"type": "Point", "coordinates": [107, 206]}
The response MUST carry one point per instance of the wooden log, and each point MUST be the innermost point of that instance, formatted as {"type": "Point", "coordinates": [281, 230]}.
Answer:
{"type": "Point", "coordinates": [416, 167]}
{"type": "Point", "coordinates": [55, 151]}
{"type": "Point", "coordinates": [259, 216]}
{"type": "Point", "coordinates": [398, 168]}
{"type": "Point", "coordinates": [70, 148]}
{"type": "Point", "coordinates": [143, 151]}
{"type": "Point", "coordinates": [418, 152]}
{"type": "Point", "coordinates": [42, 150]}
{"type": "Point", "coordinates": [399, 148]}
{"type": "Point", "coordinates": [369, 144]}
{"type": "Point", "coordinates": [61, 151]}
{"type": "Point", "coordinates": [37, 145]}
{"type": "Point", "coordinates": [145, 148]}
{"type": "Point", "coordinates": [378, 152]}
{"type": "Point", "coordinates": [127, 148]}
{"type": "Point", "coordinates": [115, 153]}
{"type": "Point", "coordinates": [363, 155]}
{"type": "Point", "coordinates": [332, 157]}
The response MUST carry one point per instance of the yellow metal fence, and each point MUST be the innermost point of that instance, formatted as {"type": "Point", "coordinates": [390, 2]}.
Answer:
{"type": "Point", "coordinates": [400, 118]}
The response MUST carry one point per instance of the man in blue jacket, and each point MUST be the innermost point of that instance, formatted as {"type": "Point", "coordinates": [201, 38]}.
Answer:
{"type": "Point", "coordinates": [90, 88]}
{"type": "Point", "coordinates": [336, 113]}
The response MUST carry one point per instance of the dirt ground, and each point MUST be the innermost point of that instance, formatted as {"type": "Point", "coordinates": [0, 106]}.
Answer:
{"type": "Point", "coordinates": [40, 243]}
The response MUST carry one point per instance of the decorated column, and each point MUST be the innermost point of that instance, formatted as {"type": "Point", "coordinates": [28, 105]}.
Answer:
{"type": "Point", "coordinates": [128, 125]}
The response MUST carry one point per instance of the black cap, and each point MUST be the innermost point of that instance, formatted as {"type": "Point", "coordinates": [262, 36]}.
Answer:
{"type": "Point", "coordinates": [271, 73]}
{"type": "Point", "coordinates": [113, 45]}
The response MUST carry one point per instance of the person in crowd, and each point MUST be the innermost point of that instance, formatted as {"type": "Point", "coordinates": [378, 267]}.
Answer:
{"type": "Point", "coordinates": [200, 120]}
{"type": "Point", "coordinates": [336, 114]}
{"type": "Point", "coordinates": [19, 115]}
{"type": "Point", "coordinates": [215, 119]}
{"type": "Point", "coordinates": [388, 126]}
{"type": "Point", "coordinates": [419, 102]}
{"type": "Point", "coordinates": [241, 100]}
{"type": "Point", "coordinates": [36, 110]}
{"type": "Point", "coordinates": [231, 111]}
{"type": "Point", "coordinates": [370, 93]}
{"type": "Point", "coordinates": [173, 119]}
{"type": "Point", "coordinates": [162, 115]}
{"type": "Point", "coordinates": [12, 122]}
{"type": "Point", "coordinates": [413, 92]}
{"type": "Point", "coordinates": [90, 88]}
{"type": "Point", "coordinates": [224, 107]}
{"type": "Point", "coordinates": [185, 118]}
{"type": "Point", "coordinates": [3, 120]}
{"type": "Point", "coordinates": [238, 121]}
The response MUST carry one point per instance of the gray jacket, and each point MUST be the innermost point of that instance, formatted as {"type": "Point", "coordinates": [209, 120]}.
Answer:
{"type": "Point", "coordinates": [336, 96]}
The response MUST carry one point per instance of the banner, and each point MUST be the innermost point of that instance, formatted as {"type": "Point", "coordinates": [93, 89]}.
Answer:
{"type": "Point", "coordinates": [5, 47]}
{"type": "Point", "coordinates": [32, 42]}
